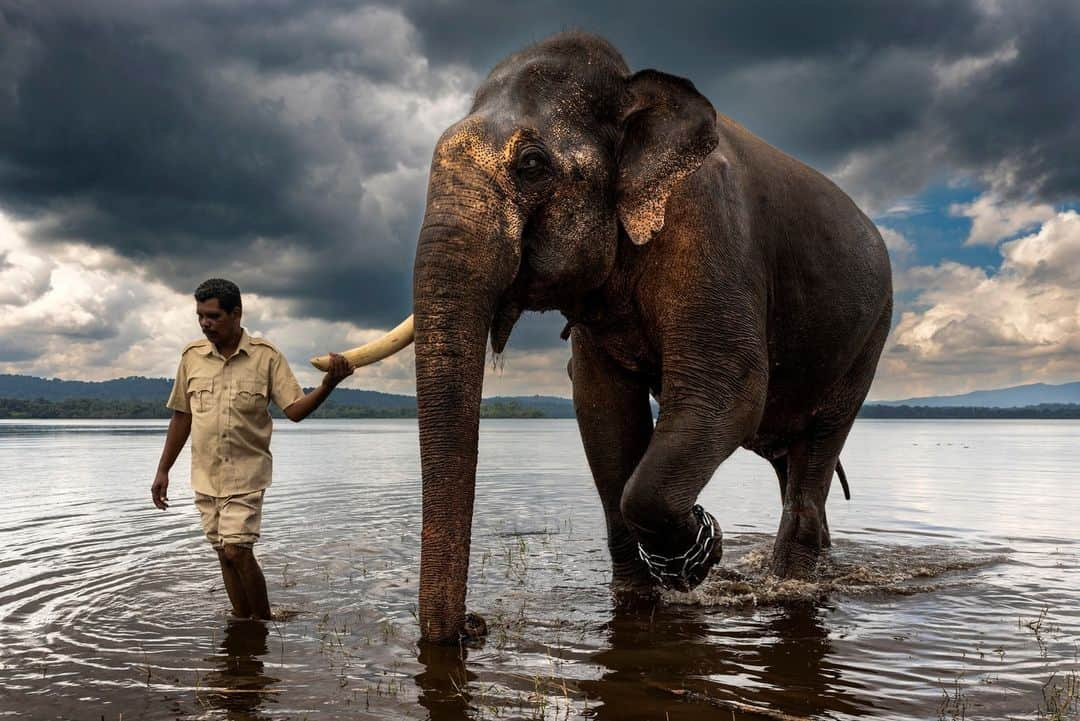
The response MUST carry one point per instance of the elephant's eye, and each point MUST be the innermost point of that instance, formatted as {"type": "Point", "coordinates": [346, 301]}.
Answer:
{"type": "Point", "coordinates": [533, 165]}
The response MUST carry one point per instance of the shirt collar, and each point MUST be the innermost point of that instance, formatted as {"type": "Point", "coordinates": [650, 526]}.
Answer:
{"type": "Point", "coordinates": [244, 345]}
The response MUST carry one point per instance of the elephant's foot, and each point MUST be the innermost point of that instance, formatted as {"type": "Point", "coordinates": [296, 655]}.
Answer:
{"type": "Point", "coordinates": [630, 589]}
{"type": "Point", "coordinates": [630, 579]}
{"type": "Point", "coordinates": [634, 596]}
{"type": "Point", "coordinates": [795, 561]}
{"type": "Point", "coordinates": [629, 576]}
{"type": "Point", "coordinates": [802, 535]}
{"type": "Point", "coordinates": [686, 570]}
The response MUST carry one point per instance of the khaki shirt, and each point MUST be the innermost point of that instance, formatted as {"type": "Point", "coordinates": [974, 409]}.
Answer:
{"type": "Point", "coordinates": [230, 420]}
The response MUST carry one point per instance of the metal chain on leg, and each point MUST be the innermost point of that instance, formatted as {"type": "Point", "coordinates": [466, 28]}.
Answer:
{"type": "Point", "coordinates": [681, 571]}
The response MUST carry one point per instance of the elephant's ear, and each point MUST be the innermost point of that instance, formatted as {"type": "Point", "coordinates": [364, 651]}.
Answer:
{"type": "Point", "coordinates": [669, 128]}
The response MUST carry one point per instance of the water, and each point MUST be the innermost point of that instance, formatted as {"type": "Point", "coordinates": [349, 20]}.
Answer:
{"type": "Point", "coordinates": [950, 593]}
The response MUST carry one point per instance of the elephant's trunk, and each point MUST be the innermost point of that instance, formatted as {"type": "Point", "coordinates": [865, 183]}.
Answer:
{"type": "Point", "coordinates": [458, 278]}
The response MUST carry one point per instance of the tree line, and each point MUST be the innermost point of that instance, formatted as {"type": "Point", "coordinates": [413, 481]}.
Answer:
{"type": "Point", "coordinates": [1042, 410]}
{"type": "Point", "coordinates": [17, 408]}
{"type": "Point", "coordinates": [101, 408]}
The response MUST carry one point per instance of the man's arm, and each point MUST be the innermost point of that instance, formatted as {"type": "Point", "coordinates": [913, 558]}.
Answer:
{"type": "Point", "coordinates": [340, 369]}
{"type": "Point", "coordinates": [179, 430]}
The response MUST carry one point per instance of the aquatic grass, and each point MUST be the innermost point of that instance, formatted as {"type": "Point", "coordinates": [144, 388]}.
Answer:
{"type": "Point", "coordinates": [543, 699]}
{"type": "Point", "coordinates": [389, 630]}
{"type": "Point", "coordinates": [954, 702]}
{"type": "Point", "coordinates": [1041, 628]}
{"type": "Point", "coordinates": [1061, 697]}
{"type": "Point", "coordinates": [286, 582]}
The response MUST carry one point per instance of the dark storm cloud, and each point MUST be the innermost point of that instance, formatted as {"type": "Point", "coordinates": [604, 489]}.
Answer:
{"type": "Point", "coordinates": [816, 78]}
{"type": "Point", "coordinates": [1026, 111]}
{"type": "Point", "coordinates": [828, 79]}
{"type": "Point", "coordinates": [144, 128]}
{"type": "Point", "coordinates": [103, 117]}
{"type": "Point", "coordinates": [263, 140]}
{"type": "Point", "coordinates": [700, 38]}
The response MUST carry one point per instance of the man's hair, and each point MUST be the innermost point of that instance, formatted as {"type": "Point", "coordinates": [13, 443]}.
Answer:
{"type": "Point", "coordinates": [226, 292]}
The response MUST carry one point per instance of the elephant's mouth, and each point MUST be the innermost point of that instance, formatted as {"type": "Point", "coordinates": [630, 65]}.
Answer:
{"type": "Point", "coordinates": [506, 315]}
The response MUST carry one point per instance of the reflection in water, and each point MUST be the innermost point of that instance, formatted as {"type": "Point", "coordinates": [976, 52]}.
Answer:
{"type": "Point", "coordinates": [652, 652]}
{"type": "Point", "coordinates": [671, 663]}
{"type": "Point", "coordinates": [798, 673]}
{"type": "Point", "coordinates": [237, 685]}
{"type": "Point", "coordinates": [444, 682]}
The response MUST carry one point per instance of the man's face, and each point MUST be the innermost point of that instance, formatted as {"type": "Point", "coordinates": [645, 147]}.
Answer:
{"type": "Point", "coordinates": [217, 325]}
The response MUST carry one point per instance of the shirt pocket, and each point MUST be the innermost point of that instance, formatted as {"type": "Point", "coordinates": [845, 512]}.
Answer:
{"type": "Point", "coordinates": [251, 395]}
{"type": "Point", "coordinates": [201, 394]}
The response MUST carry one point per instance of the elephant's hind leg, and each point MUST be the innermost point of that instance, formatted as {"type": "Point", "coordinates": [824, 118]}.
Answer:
{"type": "Point", "coordinates": [615, 421]}
{"type": "Point", "coordinates": [812, 460]}
{"type": "Point", "coordinates": [804, 530]}
{"type": "Point", "coordinates": [780, 465]}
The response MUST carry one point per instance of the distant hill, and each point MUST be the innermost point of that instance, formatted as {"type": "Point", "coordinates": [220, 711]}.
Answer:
{"type": "Point", "coordinates": [54, 389]}
{"type": "Point", "coordinates": [1017, 396]}
{"type": "Point", "coordinates": [371, 399]}
{"type": "Point", "coordinates": [138, 397]}
{"type": "Point", "coordinates": [138, 388]}
{"type": "Point", "coordinates": [345, 402]}
{"type": "Point", "coordinates": [1042, 410]}
{"type": "Point", "coordinates": [550, 406]}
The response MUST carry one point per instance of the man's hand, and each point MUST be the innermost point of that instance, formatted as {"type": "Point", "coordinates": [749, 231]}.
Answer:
{"type": "Point", "coordinates": [175, 438]}
{"type": "Point", "coordinates": [340, 369]}
{"type": "Point", "coordinates": [159, 491]}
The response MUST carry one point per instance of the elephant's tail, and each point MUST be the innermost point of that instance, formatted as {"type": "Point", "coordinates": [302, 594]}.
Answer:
{"type": "Point", "coordinates": [843, 480]}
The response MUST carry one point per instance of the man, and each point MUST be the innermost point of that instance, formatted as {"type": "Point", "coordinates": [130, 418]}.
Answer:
{"type": "Point", "coordinates": [220, 397]}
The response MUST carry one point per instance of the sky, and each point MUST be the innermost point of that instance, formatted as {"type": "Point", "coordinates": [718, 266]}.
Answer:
{"type": "Point", "coordinates": [146, 145]}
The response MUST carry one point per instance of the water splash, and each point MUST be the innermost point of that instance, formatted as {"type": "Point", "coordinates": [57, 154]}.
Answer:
{"type": "Point", "coordinates": [849, 568]}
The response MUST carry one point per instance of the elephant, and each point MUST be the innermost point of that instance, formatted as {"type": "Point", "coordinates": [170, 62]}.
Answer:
{"type": "Point", "coordinates": [693, 263]}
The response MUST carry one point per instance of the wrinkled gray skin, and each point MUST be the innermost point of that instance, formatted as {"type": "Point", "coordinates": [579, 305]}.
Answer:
{"type": "Point", "coordinates": [693, 261]}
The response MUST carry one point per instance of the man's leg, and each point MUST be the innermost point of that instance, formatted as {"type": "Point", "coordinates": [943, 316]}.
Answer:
{"type": "Point", "coordinates": [210, 517]}
{"type": "Point", "coordinates": [241, 522]}
{"type": "Point", "coordinates": [234, 585]}
{"type": "Point", "coordinates": [251, 584]}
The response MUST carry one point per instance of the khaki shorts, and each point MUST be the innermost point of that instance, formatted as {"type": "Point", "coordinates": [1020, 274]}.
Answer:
{"type": "Point", "coordinates": [234, 520]}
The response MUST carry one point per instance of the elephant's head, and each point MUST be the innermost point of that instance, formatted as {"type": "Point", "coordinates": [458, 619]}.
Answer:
{"type": "Point", "coordinates": [564, 158]}
{"type": "Point", "coordinates": [561, 149]}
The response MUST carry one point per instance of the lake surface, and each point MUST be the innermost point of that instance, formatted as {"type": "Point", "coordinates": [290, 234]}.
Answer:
{"type": "Point", "coordinates": [951, 591]}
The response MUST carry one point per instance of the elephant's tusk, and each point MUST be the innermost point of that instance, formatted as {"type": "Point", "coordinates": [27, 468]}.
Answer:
{"type": "Point", "coordinates": [376, 350]}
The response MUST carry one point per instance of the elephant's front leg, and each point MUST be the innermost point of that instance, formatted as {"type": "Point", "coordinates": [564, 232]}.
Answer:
{"type": "Point", "coordinates": [696, 432]}
{"type": "Point", "coordinates": [615, 420]}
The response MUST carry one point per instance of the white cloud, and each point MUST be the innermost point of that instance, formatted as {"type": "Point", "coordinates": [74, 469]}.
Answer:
{"type": "Point", "coordinates": [900, 248]}
{"type": "Point", "coordinates": [1050, 255]}
{"type": "Point", "coordinates": [23, 275]}
{"type": "Point", "coordinates": [529, 373]}
{"type": "Point", "coordinates": [81, 313]}
{"type": "Point", "coordinates": [87, 311]}
{"type": "Point", "coordinates": [969, 329]}
{"type": "Point", "coordinates": [905, 207]}
{"type": "Point", "coordinates": [994, 219]}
